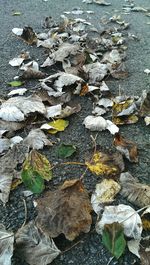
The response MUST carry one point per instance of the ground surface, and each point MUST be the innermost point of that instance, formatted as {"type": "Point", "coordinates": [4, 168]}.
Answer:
{"type": "Point", "coordinates": [89, 251]}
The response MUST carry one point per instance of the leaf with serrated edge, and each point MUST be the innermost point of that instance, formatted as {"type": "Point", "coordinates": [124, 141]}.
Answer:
{"type": "Point", "coordinates": [35, 246]}
{"type": "Point", "coordinates": [6, 245]}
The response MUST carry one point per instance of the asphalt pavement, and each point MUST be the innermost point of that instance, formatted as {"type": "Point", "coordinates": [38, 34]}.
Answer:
{"type": "Point", "coordinates": [89, 249]}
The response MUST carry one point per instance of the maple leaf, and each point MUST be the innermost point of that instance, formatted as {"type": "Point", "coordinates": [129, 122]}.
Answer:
{"type": "Point", "coordinates": [66, 210]}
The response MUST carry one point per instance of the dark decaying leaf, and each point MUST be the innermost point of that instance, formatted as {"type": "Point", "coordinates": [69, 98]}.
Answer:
{"type": "Point", "coordinates": [126, 147]}
{"type": "Point", "coordinates": [113, 239]}
{"type": "Point", "coordinates": [145, 251]}
{"type": "Point", "coordinates": [66, 210]}
{"type": "Point", "coordinates": [32, 74]}
{"type": "Point", "coordinates": [34, 246]}
{"type": "Point", "coordinates": [146, 219]}
{"type": "Point", "coordinates": [106, 164]}
{"type": "Point", "coordinates": [66, 150]}
{"type": "Point", "coordinates": [6, 245]}
{"type": "Point", "coordinates": [136, 192]}
{"type": "Point", "coordinates": [29, 35]}
{"type": "Point", "coordinates": [145, 104]}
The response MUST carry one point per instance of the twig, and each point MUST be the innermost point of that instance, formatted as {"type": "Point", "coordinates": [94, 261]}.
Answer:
{"type": "Point", "coordinates": [66, 250]}
{"type": "Point", "coordinates": [83, 174]}
{"type": "Point", "coordinates": [135, 213]}
{"type": "Point", "coordinates": [72, 163]}
{"type": "Point", "coordinates": [94, 141]}
{"type": "Point", "coordinates": [25, 213]}
{"type": "Point", "coordinates": [110, 260]}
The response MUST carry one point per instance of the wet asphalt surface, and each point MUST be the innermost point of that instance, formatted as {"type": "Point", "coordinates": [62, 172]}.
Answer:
{"type": "Point", "coordinates": [89, 249]}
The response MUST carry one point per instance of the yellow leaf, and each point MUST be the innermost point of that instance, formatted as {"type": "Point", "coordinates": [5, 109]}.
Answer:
{"type": "Point", "coordinates": [58, 126]}
{"type": "Point", "coordinates": [15, 183]}
{"type": "Point", "coordinates": [146, 219]}
{"type": "Point", "coordinates": [102, 163]}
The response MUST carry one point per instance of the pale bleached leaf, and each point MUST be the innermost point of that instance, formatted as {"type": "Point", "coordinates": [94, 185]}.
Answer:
{"type": "Point", "coordinates": [35, 246]}
{"type": "Point", "coordinates": [105, 102]}
{"type": "Point", "coordinates": [98, 123]}
{"type": "Point", "coordinates": [112, 57]}
{"type": "Point", "coordinates": [136, 192]}
{"type": "Point", "coordinates": [16, 61]}
{"type": "Point", "coordinates": [4, 144]}
{"type": "Point", "coordinates": [96, 71]}
{"type": "Point", "coordinates": [11, 113]}
{"type": "Point", "coordinates": [17, 31]}
{"type": "Point", "coordinates": [18, 91]}
{"type": "Point", "coordinates": [104, 193]}
{"type": "Point", "coordinates": [37, 139]}
{"type": "Point", "coordinates": [5, 185]}
{"type": "Point", "coordinates": [147, 120]}
{"type": "Point", "coordinates": [6, 245]}
{"type": "Point", "coordinates": [125, 215]}
{"type": "Point", "coordinates": [53, 111]}
{"type": "Point", "coordinates": [134, 247]}
{"type": "Point", "coordinates": [64, 51]}
{"type": "Point", "coordinates": [16, 108]}
{"type": "Point", "coordinates": [31, 65]}
{"type": "Point", "coordinates": [48, 62]}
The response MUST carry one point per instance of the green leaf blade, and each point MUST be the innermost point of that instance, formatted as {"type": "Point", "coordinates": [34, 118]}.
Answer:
{"type": "Point", "coordinates": [65, 150]}
{"type": "Point", "coordinates": [33, 181]}
{"type": "Point", "coordinates": [113, 239]}
{"type": "Point", "coordinates": [15, 83]}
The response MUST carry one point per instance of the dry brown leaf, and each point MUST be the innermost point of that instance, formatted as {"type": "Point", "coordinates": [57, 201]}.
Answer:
{"type": "Point", "coordinates": [32, 74]}
{"type": "Point", "coordinates": [106, 164]}
{"type": "Point", "coordinates": [66, 210]}
{"type": "Point", "coordinates": [126, 147]}
{"type": "Point", "coordinates": [145, 251]}
{"type": "Point", "coordinates": [29, 36]}
{"type": "Point", "coordinates": [136, 192]}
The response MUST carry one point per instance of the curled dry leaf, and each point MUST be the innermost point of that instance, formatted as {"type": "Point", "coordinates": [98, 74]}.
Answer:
{"type": "Point", "coordinates": [96, 71]}
{"type": "Point", "coordinates": [6, 245]}
{"type": "Point", "coordinates": [37, 139]}
{"type": "Point", "coordinates": [124, 215]}
{"type": "Point", "coordinates": [136, 192]}
{"type": "Point", "coordinates": [104, 193]}
{"type": "Point", "coordinates": [106, 164]}
{"type": "Point", "coordinates": [98, 123]}
{"type": "Point", "coordinates": [126, 147]}
{"type": "Point", "coordinates": [66, 210]}
{"type": "Point", "coordinates": [145, 251]}
{"type": "Point", "coordinates": [145, 104]}
{"type": "Point", "coordinates": [19, 91]}
{"type": "Point", "coordinates": [16, 108]}
{"type": "Point", "coordinates": [32, 74]}
{"type": "Point", "coordinates": [65, 50]}
{"type": "Point", "coordinates": [8, 163]}
{"type": "Point", "coordinates": [123, 112]}
{"type": "Point", "coordinates": [28, 35]}
{"type": "Point", "coordinates": [34, 246]}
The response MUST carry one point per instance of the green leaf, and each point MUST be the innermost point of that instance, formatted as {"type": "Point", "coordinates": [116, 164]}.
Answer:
{"type": "Point", "coordinates": [33, 181]}
{"type": "Point", "coordinates": [113, 239]}
{"type": "Point", "coordinates": [36, 168]}
{"type": "Point", "coordinates": [65, 150]}
{"type": "Point", "coordinates": [15, 83]}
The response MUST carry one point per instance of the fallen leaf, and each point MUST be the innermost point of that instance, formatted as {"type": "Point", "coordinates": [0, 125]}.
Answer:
{"type": "Point", "coordinates": [66, 210]}
{"type": "Point", "coordinates": [98, 123]}
{"type": "Point", "coordinates": [15, 83]}
{"type": "Point", "coordinates": [6, 245]}
{"type": "Point", "coordinates": [134, 246]}
{"type": "Point", "coordinates": [53, 111]}
{"type": "Point", "coordinates": [126, 147]}
{"type": "Point", "coordinates": [113, 239]}
{"type": "Point", "coordinates": [147, 71]}
{"type": "Point", "coordinates": [65, 50]}
{"type": "Point", "coordinates": [96, 71]}
{"type": "Point", "coordinates": [105, 164]}
{"type": "Point", "coordinates": [124, 215]}
{"type": "Point", "coordinates": [16, 61]}
{"type": "Point", "coordinates": [145, 104]}
{"type": "Point", "coordinates": [66, 150]}
{"type": "Point", "coordinates": [32, 74]}
{"type": "Point", "coordinates": [19, 91]}
{"type": "Point", "coordinates": [147, 120]}
{"type": "Point", "coordinates": [29, 36]}
{"type": "Point", "coordinates": [17, 13]}
{"type": "Point", "coordinates": [146, 219]}
{"type": "Point", "coordinates": [123, 112]}
{"type": "Point", "coordinates": [16, 108]}
{"type": "Point", "coordinates": [37, 139]}
{"type": "Point", "coordinates": [32, 179]}
{"type": "Point", "coordinates": [145, 251]}
{"type": "Point", "coordinates": [57, 126]}
{"type": "Point", "coordinates": [136, 192]}
{"type": "Point", "coordinates": [104, 194]}
{"type": "Point", "coordinates": [8, 164]}
{"type": "Point", "coordinates": [34, 246]}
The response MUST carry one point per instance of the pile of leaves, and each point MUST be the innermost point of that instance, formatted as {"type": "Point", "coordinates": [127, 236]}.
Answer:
{"type": "Point", "coordinates": [85, 57]}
